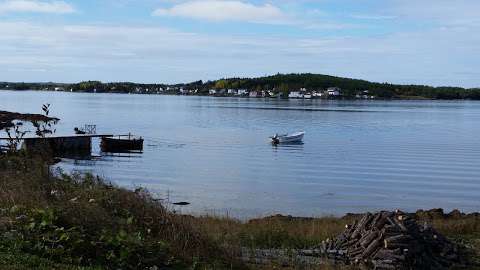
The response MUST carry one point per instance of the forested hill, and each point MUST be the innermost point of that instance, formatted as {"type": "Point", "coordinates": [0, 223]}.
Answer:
{"type": "Point", "coordinates": [350, 87]}
{"type": "Point", "coordinates": [278, 83]}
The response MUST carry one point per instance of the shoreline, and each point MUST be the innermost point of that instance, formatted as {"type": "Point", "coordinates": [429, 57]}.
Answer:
{"type": "Point", "coordinates": [293, 85]}
{"type": "Point", "coordinates": [398, 98]}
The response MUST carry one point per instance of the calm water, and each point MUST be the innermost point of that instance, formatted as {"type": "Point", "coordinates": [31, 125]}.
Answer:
{"type": "Point", "coordinates": [214, 152]}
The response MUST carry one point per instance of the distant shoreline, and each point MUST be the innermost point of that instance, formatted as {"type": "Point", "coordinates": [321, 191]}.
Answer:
{"type": "Point", "coordinates": [412, 98]}
{"type": "Point", "coordinates": [304, 85]}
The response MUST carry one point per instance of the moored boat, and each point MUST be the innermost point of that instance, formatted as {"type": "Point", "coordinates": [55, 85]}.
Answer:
{"type": "Point", "coordinates": [288, 138]}
{"type": "Point", "coordinates": [122, 143]}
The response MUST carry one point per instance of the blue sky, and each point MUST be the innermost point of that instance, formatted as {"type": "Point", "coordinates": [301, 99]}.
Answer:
{"type": "Point", "coordinates": [435, 42]}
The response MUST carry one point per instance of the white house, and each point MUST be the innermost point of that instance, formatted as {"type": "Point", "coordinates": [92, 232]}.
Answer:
{"type": "Point", "coordinates": [363, 94]}
{"type": "Point", "coordinates": [333, 91]}
{"type": "Point", "coordinates": [253, 94]}
{"type": "Point", "coordinates": [212, 92]}
{"type": "Point", "coordinates": [59, 89]}
{"type": "Point", "coordinates": [295, 94]}
{"type": "Point", "coordinates": [242, 92]}
{"type": "Point", "coordinates": [318, 94]}
{"type": "Point", "coordinates": [232, 91]}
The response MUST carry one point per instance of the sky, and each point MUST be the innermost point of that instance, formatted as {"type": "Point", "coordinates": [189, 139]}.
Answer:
{"type": "Point", "coordinates": [434, 42]}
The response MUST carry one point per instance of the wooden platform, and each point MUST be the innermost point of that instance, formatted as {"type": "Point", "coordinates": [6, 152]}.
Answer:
{"type": "Point", "coordinates": [67, 136]}
{"type": "Point", "coordinates": [61, 146]}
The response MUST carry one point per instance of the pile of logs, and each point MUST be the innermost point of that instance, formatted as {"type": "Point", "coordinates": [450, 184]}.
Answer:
{"type": "Point", "coordinates": [391, 240]}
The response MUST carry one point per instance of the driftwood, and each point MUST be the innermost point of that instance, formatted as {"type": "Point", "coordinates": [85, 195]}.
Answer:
{"type": "Point", "coordinates": [284, 257]}
{"type": "Point", "coordinates": [383, 241]}
{"type": "Point", "coordinates": [391, 240]}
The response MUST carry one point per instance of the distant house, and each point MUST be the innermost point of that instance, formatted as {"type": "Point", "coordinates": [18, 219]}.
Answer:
{"type": "Point", "coordinates": [295, 94]}
{"type": "Point", "coordinates": [183, 91]}
{"type": "Point", "coordinates": [212, 92]}
{"type": "Point", "coordinates": [363, 94]}
{"type": "Point", "coordinates": [333, 91]}
{"type": "Point", "coordinates": [59, 89]}
{"type": "Point", "coordinates": [232, 91]}
{"type": "Point", "coordinates": [253, 94]}
{"type": "Point", "coordinates": [242, 92]}
{"type": "Point", "coordinates": [318, 94]}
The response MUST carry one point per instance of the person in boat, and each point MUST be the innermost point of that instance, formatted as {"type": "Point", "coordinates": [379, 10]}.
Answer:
{"type": "Point", "coordinates": [78, 131]}
{"type": "Point", "coordinates": [275, 139]}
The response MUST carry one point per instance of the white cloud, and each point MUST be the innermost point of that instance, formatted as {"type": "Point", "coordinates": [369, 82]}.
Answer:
{"type": "Point", "coordinates": [155, 54]}
{"type": "Point", "coordinates": [216, 10]}
{"type": "Point", "coordinates": [443, 12]}
{"type": "Point", "coordinates": [374, 17]}
{"type": "Point", "coordinates": [59, 7]}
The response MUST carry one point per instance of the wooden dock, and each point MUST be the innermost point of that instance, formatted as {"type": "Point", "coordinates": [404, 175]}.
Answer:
{"type": "Point", "coordinates": [62, 146]}
{"type": "Point", "coordinates": [68, 136]}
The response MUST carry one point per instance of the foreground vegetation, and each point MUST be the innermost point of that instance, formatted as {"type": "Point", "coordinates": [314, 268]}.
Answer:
{"type": "Point", "coordinates": [59, 221]}
{"type": "Point", "coordinates": [82, 221]}
{"type": "Point", "coordinates": [280, 83]}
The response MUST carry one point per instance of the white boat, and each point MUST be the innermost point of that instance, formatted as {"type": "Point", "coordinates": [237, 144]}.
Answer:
{"type": "Point", "coordinates": [288, 138]}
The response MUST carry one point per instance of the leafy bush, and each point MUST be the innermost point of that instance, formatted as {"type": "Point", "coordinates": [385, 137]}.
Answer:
{"type": "Point", "coordinates": [40, 232]}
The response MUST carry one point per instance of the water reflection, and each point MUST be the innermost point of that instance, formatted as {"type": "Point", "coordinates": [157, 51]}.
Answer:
{"type": "Point", "coordinates": [288, 146]}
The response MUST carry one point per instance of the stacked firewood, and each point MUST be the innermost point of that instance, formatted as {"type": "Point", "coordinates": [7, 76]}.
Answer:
{"type": "Point", "coordinates": [391, 240]}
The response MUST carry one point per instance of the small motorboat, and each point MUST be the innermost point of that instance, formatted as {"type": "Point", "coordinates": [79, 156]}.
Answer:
{"type": "Point", "coordinates": [288, 138]}
{"type": "Point", "coordinates": [122, 143]}
{"type": "Point", "coordinates": [79, 131]}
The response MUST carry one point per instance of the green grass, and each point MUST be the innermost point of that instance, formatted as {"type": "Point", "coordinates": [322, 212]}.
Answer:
{"type": "Point", "coordinates": [14, 259]}
{"type": "Point", "coordinates": [82, 220]}
{"type": "Point", "coordinates": [61, 221]}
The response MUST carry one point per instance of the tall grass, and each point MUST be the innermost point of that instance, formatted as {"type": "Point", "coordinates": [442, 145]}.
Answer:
{"type": "Point", "coordinates": [113, 219]}
{"type": "Point", "coordinates": [82, 222]}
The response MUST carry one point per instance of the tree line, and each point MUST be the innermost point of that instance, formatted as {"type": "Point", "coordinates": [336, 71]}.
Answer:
{"type": "Point", "coordinates": [283, 83]}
